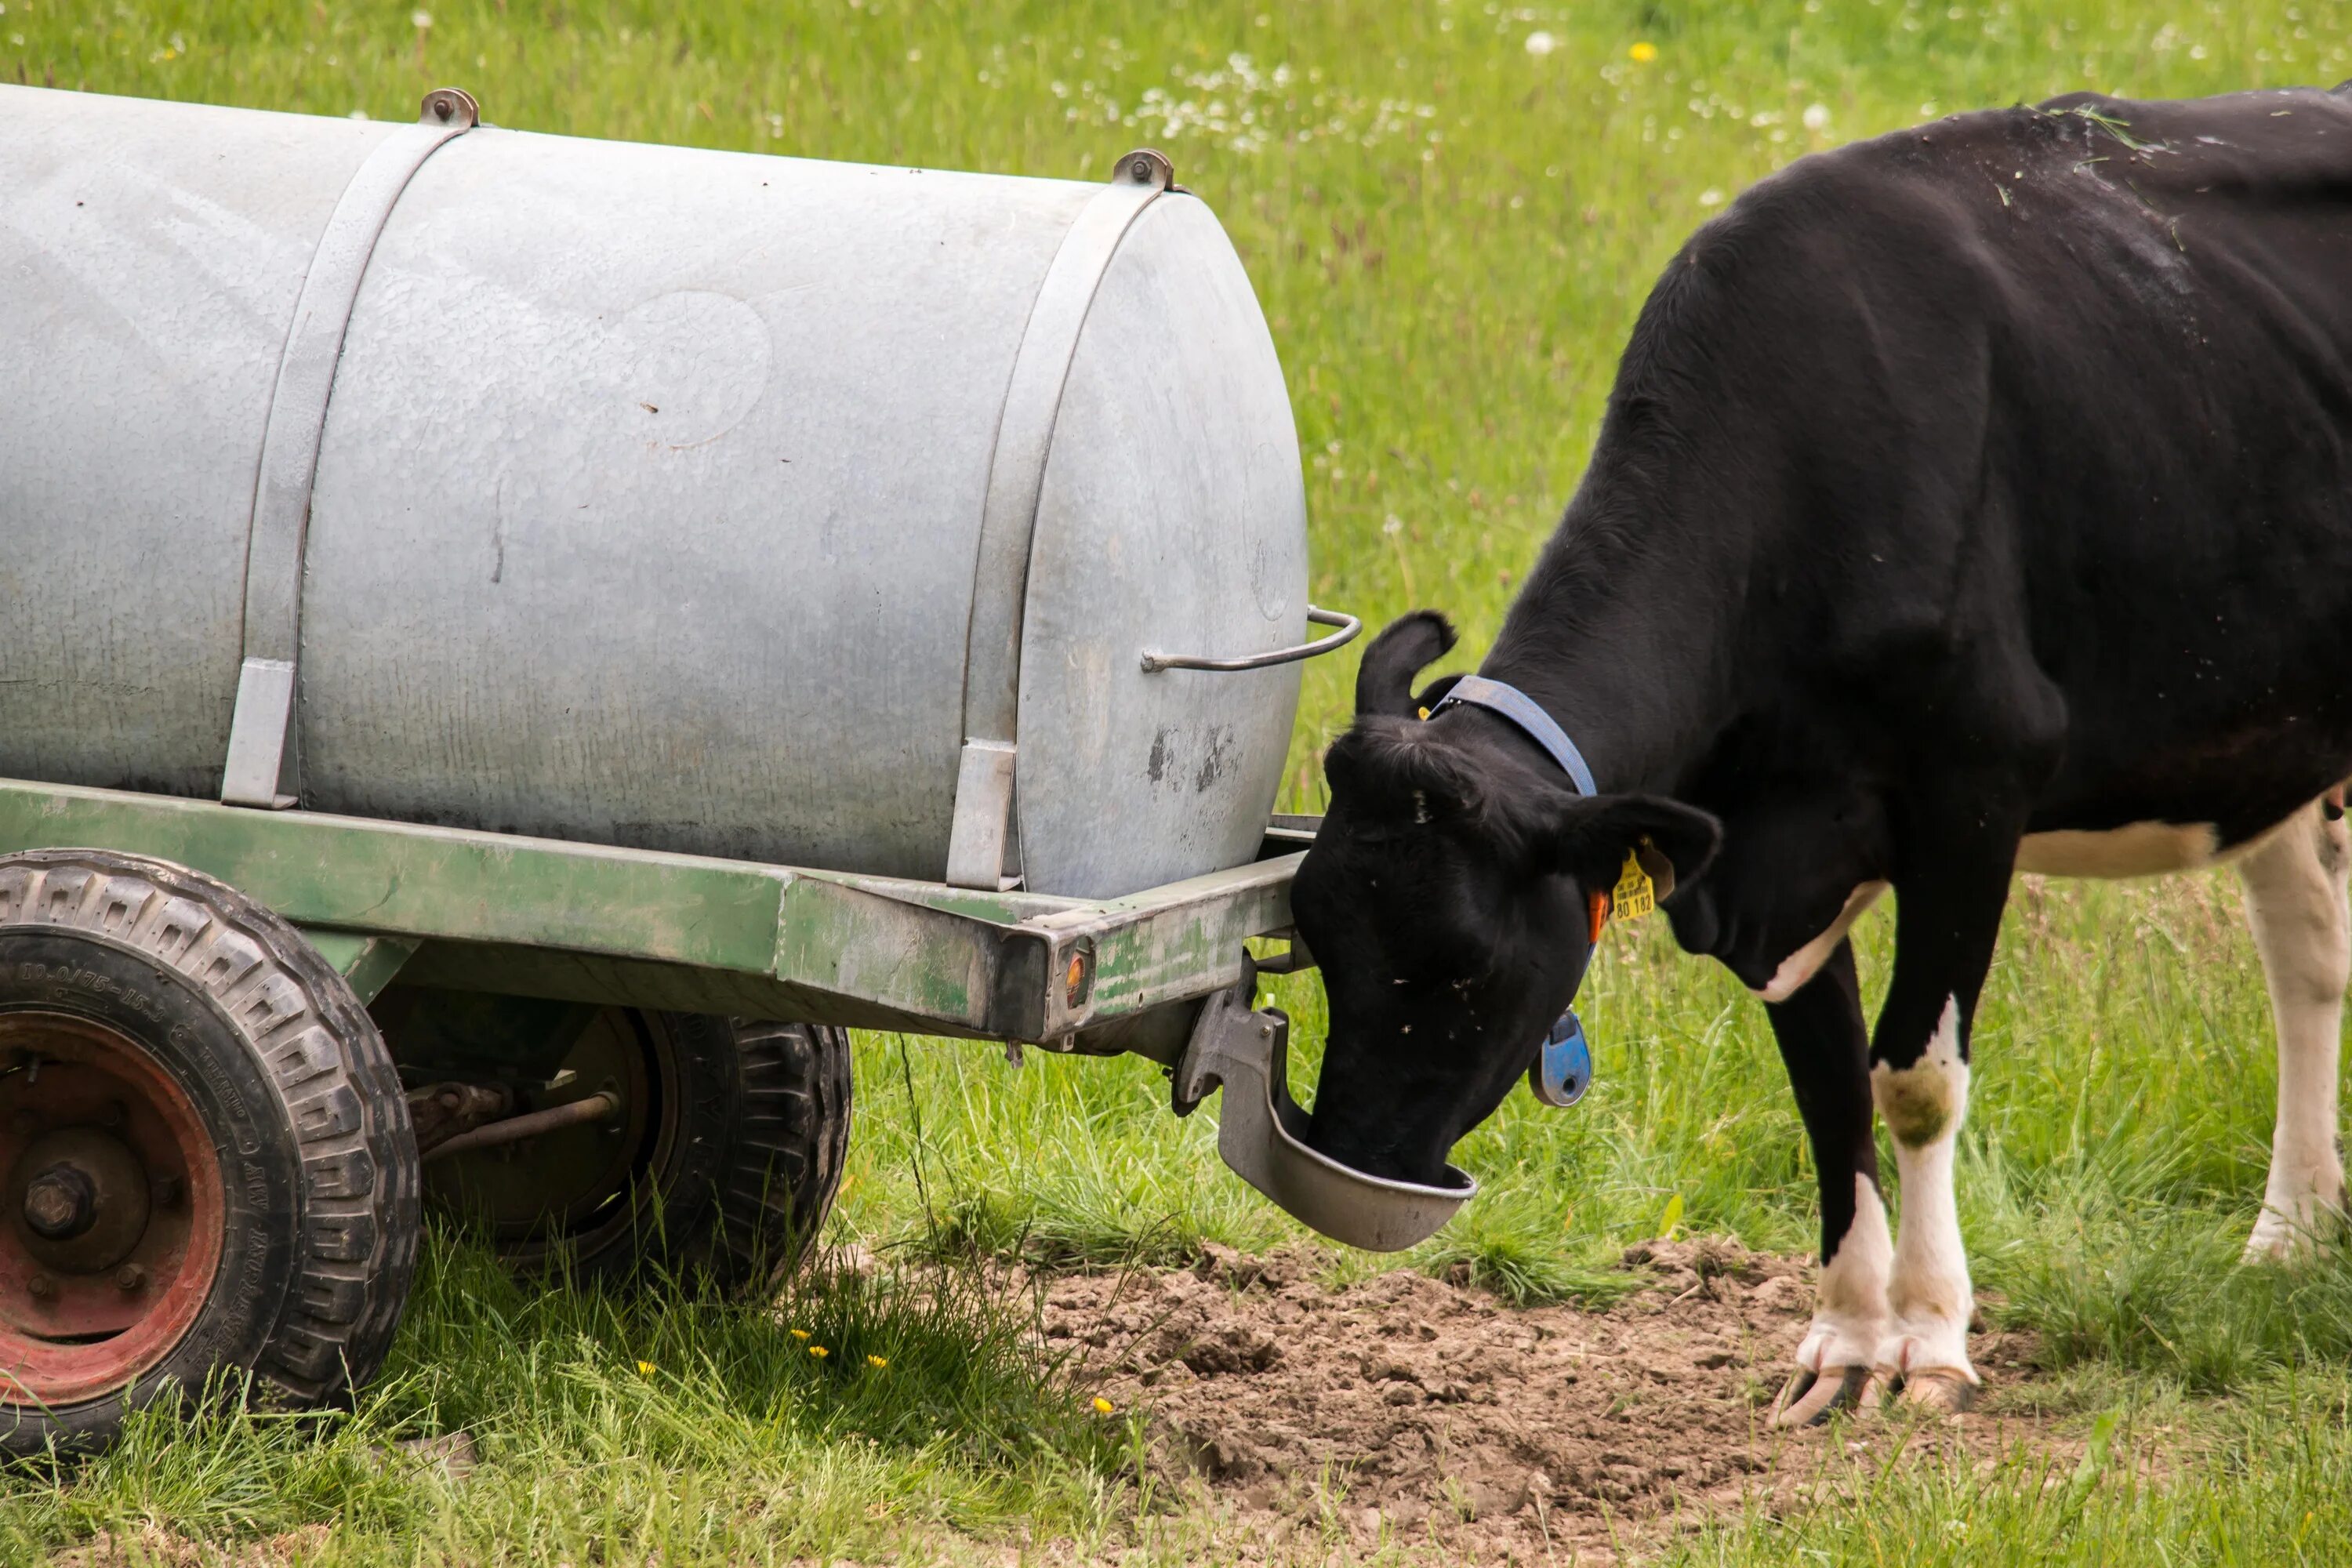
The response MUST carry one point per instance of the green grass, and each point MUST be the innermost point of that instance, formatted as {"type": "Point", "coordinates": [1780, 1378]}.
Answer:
{"type": "Point", "coordinates": [647, 1425]}
{"type": "Point", "coordinates": [1450, 232]}
{"type": "Point", "coordinates": [2273, 1485]}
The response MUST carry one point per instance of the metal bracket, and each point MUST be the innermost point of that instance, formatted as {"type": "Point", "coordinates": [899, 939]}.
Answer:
{"type": "Point", "coordinates": [982, 829]}
{"type": "Point", "coordinates": [262, 768]}
{"type": "Point", "coordinates": [979, 839]}
{"type": "Point", "coordinates": [1261, 1133]}
{"type": "Point", "coordinates": [369, 961]}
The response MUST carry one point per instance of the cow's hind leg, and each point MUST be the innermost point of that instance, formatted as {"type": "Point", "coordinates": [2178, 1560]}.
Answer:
{"type": "Point", "coordinates": [1821, 1040]}
{"type": "Point", "coordinates": [2295, 903]}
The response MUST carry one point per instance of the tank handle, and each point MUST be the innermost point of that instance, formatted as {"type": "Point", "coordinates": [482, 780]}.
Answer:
{"type": "Point", "coordinates": [1348, 626]}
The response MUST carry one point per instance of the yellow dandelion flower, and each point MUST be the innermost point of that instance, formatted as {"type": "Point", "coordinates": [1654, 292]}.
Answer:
{"type": "Point", "coordinates": [877, 1361]}
{"type": "Point", "coordinates": [1103, 1407]}
{"type": "Point", "coordinates": [819, 1352]}
{"type": "Point", "coordinates": [797, 1333]}
{"type": "Point", "coordinates": [645, 1369]}
{"type": "Point", "coordinates": [1643, 52]}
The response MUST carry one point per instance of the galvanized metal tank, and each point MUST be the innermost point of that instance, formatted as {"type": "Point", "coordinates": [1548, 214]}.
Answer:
{"type": "Point", "coordinates": [703, 501]}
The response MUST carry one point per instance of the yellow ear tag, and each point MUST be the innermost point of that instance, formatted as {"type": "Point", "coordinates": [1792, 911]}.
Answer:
{"type": "Point", "coordinates": [1635, 895]}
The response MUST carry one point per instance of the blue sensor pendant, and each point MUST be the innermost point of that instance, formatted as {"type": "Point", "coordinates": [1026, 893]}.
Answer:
{"type": "Point", "coordinates": [1563, 1068]}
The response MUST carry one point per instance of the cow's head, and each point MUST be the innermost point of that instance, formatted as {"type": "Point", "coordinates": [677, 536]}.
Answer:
{"type": "Point", "coordinates": [1445, 899]}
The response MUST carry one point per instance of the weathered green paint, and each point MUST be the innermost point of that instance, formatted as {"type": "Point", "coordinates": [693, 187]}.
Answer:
{"type": "Point", "coordinates": [369, 962]}
{"type": "Point", "coordinates": [1167, 943]}
{"type": "Point", "coordinates": [589, 923]}
{"type": "Point", "coordinates": [837, 936]}
{"type": "Point", "coordinates": [401, 878]}
{"type": "Point", "coordinates": [999, 909]}
{"type": "Point", "coordinates": [673, 988]}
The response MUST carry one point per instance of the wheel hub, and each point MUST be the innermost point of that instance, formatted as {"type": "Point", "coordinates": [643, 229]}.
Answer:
{"type": "Point", "coordinates": [111, 1210]}
{"type": "Point", "coordinates": [84, 1198]}
{"type": "Point", "coordinates": [62, 1202]}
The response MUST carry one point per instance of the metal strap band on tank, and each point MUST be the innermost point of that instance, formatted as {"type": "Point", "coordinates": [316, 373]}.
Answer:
{"type": "Point", "coordinates": [262, 768]}
{"type": "Point", "coordinates": [980, 842]}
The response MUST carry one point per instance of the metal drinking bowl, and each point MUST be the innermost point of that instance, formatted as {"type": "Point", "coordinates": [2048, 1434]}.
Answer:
{"type": "Point", "coordinates": [1258, 1134]}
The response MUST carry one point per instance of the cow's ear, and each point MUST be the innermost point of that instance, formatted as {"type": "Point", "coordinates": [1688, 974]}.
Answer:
{"type": "Point", "coordinates": [1409, 643]}
{"type": "Point", "coordinates": [1588, 839]}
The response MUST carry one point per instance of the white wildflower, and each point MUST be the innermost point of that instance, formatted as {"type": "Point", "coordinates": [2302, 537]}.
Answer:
{"type": "Point", "coordinates": [1541, 44]}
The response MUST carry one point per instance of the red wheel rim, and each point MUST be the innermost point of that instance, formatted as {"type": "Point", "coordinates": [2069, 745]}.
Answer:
{"type": "Point", "coordinates": [111, 1210]}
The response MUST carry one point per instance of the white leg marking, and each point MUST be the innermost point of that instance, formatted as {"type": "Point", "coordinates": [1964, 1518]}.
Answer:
{"type": "Point", "coordinates": [1928, 1291]}
{"type": "Point", "coordinates": [2295, 903]}
{"type": "Point", "coordinates": [1850, 1306]}
{"type": "Point", "coordinates": [1806, 962]}
{"type": "Point", "coordinates": [1849, 1318]}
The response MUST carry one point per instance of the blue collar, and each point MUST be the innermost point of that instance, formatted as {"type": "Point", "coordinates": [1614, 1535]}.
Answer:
{"type": "Point", "coordinates": [1517, 706]}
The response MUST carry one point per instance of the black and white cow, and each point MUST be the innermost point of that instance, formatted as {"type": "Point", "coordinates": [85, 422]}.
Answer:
{"type": "Point", "coordinates": [1974, 499]}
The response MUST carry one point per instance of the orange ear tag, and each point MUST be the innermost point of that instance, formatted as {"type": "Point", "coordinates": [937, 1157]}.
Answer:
{"type": "Point", "coordinates": [1596, 911]}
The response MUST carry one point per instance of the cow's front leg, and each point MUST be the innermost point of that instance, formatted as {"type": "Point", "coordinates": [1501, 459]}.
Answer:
{"type": "Point", "coordinates": [1821, 1041]}
{"type": "Point", "coordinates": [1947, 916]}
{"type": "Point", "coordinates": [1924, 1354]}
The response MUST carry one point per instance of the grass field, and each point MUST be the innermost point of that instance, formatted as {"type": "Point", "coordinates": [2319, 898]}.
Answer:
{"type": "Point", "coordinates": [1450, 211]}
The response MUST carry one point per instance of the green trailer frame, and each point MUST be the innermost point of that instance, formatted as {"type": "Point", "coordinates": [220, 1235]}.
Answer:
{"type": "Point", "coordinates": [534, 917]}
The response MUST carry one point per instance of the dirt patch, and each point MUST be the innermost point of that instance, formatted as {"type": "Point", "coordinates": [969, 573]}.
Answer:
{"type": "Point", "coordinates": [1406, 1409]}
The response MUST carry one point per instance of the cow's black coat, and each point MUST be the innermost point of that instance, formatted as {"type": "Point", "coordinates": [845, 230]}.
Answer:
{"type": "Point", "coordinates": [1984, 479]}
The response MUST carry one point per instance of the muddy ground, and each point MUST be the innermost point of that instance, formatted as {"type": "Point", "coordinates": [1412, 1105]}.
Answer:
{"type": "Point", "coordinates": [1291, 1421]}
{"type": "Point", "coordinates": [1407, 1410]}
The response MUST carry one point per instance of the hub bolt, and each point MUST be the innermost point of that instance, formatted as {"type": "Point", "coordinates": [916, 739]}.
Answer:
{"type": "Point", "coordinates": [42, 1287]}
{"type": "Point", "coordinates": [130, 1277]}
{"type": "Point", "coordinates": [163, 1191]}
{"type": "Point", "coordinates": [60, 1202]}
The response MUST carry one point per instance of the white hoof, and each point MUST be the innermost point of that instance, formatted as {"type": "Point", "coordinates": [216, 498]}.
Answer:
{"type": "Point", "coordinates": [1934, 1391]}
{"type": "Point", "coordinates": [1924, 1365]}
{"type": "Point", "coordinates": [2281, 1238]}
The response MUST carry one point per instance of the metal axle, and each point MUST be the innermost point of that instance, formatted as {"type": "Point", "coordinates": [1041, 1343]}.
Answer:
{"type": "Point", "coordinates": [596, 1108]}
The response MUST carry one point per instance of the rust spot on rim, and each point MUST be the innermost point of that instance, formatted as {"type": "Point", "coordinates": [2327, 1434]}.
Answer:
{"type": "Point", "coordinates": [86, 1313]}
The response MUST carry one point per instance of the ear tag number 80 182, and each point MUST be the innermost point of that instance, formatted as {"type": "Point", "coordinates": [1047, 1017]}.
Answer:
{"type": "Point", "coordinates": [1635, 894]}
